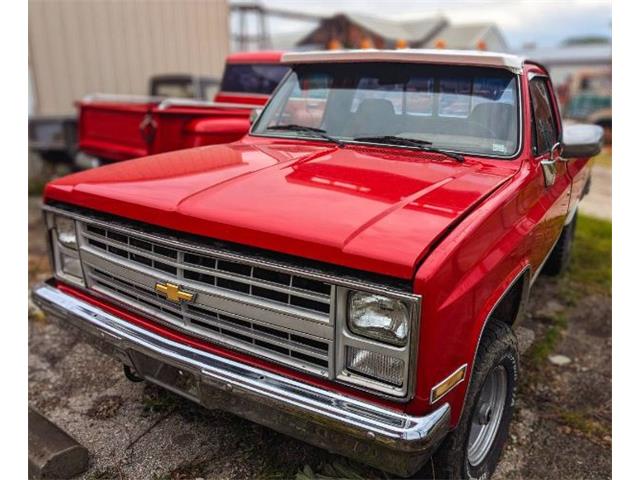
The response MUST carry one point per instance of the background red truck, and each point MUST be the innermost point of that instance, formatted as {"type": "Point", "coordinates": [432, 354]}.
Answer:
{"type": "Point", "coordinates": [113, 127]}
{"type": "Point", "coordinates": [351, 277]}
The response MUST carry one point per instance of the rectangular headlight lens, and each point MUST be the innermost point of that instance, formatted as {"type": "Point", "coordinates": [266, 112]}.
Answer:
{"type": "Point", "coordinates": [376, 365]}
{"type": "Point", "coordinates": [66, 231]}
{"type": "Point", "coordinates": [70, 265]}
{"type": "Point", "coordinates": [378, 317]}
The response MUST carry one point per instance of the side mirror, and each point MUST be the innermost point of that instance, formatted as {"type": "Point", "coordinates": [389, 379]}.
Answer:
{"type": "Point", "coordinates": [582, 140]}
{"type": "Point", "coordinates": [253, 116]}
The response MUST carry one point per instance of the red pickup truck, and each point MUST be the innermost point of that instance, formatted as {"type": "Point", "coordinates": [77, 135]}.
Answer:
{"type": "Point", "coordinates": [351, 271]}
{"type": "Point", "coordinates": [120, 127]}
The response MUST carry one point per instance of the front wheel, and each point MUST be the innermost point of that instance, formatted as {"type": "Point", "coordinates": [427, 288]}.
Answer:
{"type": "Point", "coordinates": [472, 450]}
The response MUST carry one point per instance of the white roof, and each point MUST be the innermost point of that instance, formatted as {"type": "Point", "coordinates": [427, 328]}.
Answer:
{"type": "Point", "coordinates": [411, 55]}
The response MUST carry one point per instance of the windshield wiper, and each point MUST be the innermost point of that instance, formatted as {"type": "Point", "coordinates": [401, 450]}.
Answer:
{"type": "Point", "coordinates": [318, 132]}
{"type": "Point", "coordinates": [424, 145]}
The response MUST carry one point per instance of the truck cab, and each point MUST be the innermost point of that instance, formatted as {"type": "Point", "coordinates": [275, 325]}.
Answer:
{"type": "Point", "coordinates": [351, 271]}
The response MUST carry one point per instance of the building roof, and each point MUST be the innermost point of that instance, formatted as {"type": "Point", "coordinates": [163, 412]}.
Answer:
{"type": "Point", "coordinates": [465, 35]}
{"type": "Point", "coordinates": [571, 55]}
{"type": "Point", "coordinates": [418, 28]}
{"type": "Point", "coordinates": [413, 55]}
{"type": "Point", "coordinates": [415, 30]}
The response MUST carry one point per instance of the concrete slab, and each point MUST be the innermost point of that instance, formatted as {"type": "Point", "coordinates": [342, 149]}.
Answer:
{"type": "Point", "coordinates": [53, 453]}
{"type": "Point", "coordinates": [598, 202]}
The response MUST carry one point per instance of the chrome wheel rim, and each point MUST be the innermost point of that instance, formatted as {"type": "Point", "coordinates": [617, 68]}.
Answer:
{"type": "Point", "coordinates": [487, 415]}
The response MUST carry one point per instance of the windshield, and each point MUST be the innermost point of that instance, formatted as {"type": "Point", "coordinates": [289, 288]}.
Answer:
{"type": "Point", "coordinates": [250, 78]}
{"type": "Point", "coordinates": [468, 110]}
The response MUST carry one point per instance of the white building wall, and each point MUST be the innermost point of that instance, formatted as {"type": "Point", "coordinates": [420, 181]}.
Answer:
{"type": "Point", "coordinates": [78, 47]}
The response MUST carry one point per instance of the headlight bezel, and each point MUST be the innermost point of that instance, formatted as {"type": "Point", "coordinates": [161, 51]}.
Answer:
{"type": "Point", "coordinates": [59, 250]}
{"type": "Point", "coordinates": [407, 352]}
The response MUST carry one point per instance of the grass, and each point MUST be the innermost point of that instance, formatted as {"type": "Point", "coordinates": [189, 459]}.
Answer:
{"type": "Point", "coordinates": [584, 423]}
{"type": "Point", "coordinates": [591, 263]}
{"type": "Point", "coordinates": [604, 158]}
{"type": "Point", "coordinates": [542, 348]}
{"type": "Point", "coordinates": [36, 186]}
{"type": "Point", "coordinates": [589, 273]}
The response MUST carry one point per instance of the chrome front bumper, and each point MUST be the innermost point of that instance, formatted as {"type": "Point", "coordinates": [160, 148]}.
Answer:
{"type": "Point", "coordinates": [384, 438]}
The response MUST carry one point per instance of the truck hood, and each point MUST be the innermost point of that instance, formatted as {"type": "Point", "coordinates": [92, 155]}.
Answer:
{"type": "Point", "coordinates": [373, 209]}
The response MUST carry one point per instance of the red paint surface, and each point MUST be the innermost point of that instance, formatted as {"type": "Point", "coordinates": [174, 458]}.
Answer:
{"type": "Point", "coordinates": [461, 232]}
{"type": "Point", "coordinates": [370, 209]}
{"type": "Point", "coordinates": [264, 56]}
{"type": "Point", "coordinates": [113, 131]}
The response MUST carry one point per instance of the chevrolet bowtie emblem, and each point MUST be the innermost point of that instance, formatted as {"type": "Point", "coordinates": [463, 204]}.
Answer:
{"type": "Point", "coordinates": [173, 292]}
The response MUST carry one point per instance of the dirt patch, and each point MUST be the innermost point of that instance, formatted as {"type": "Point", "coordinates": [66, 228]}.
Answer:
{"type": "Point", "coordinates": [105, 407]}
{"type": "Point", "coordinates": [562, 426]}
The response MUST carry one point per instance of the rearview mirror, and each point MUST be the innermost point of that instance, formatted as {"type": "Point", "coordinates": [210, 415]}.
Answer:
{"type": "Point", "coordinates": [253, 116]}
{"type": "Point", "coordinates": [581, 140]}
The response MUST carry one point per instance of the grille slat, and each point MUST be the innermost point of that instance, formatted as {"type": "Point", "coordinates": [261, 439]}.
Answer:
{"type": "Point", "coordinates": [121, 265]}
{"type": "Point", "coordinates": [257, 336]}
{"type": "Point", "coordinates": [128, 288]}
{"type": "Point", "coordinates": [186, 266]}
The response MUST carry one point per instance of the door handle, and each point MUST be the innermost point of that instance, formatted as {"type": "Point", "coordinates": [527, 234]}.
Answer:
{"type": "Point", "coordinates": [549, 171]}
{"type": "Point", "coordinates": [549, 167]}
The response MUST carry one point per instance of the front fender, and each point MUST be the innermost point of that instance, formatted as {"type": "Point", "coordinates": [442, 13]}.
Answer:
{"type": "Point", "coordinates": [461, 283]}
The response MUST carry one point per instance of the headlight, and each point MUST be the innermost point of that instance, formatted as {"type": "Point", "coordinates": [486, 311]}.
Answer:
{"type": "Point", "coordinates": [66, 231]}
{"type": "Point", "coordinates": [70, 265]}
{"type": "Point", "coordinates": [64, 249]}
{"type": "Point", "coordinates": [376, 365]}
{"type": "Point", "coordinates": [378, 317]}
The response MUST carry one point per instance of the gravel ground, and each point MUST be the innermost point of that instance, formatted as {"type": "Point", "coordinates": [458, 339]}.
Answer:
{"type": "Point", "coordinates": [562, 427]}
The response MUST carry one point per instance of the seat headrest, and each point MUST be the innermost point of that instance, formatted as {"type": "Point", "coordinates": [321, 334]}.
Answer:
{"type": "Point", "coordinates": [375, 116]}
{"type": "Point", "coordinates": [497, 116]}
{"type": "Point", "coordinates": [376, 107]}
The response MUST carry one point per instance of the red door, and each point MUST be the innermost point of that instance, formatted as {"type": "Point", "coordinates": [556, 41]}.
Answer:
{"type": "Point", "coordinates": [546, 134]}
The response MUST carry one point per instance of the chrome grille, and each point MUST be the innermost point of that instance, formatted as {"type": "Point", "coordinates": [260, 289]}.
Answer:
{"type": "Point", "coordinates": [264, 311]}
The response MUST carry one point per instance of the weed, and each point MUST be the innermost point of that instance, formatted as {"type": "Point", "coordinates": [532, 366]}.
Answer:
{"type": "Point", "coordinates": [157, 400]}
{"type": "Point", "coordinates": [543, 347]}
{"type": "Point", "coordinates": [583, 423]}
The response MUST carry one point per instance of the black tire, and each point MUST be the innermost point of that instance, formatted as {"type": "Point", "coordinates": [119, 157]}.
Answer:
{"type": "Point", "coordinates": [558, 261]}
{"type": "Point", "coordinates": [498, 349]}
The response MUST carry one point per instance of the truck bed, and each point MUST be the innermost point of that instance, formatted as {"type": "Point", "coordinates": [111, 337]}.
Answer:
{"type": "Point", "coordinates": [113, 130]}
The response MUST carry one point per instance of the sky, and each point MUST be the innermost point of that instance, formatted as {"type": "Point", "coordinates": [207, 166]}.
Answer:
{"type": "Point", "coordinates": [543, 22]}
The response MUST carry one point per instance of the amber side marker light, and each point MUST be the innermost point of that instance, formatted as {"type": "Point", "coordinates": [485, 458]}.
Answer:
{"type": "Point", "coordinates": [445, 386]}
